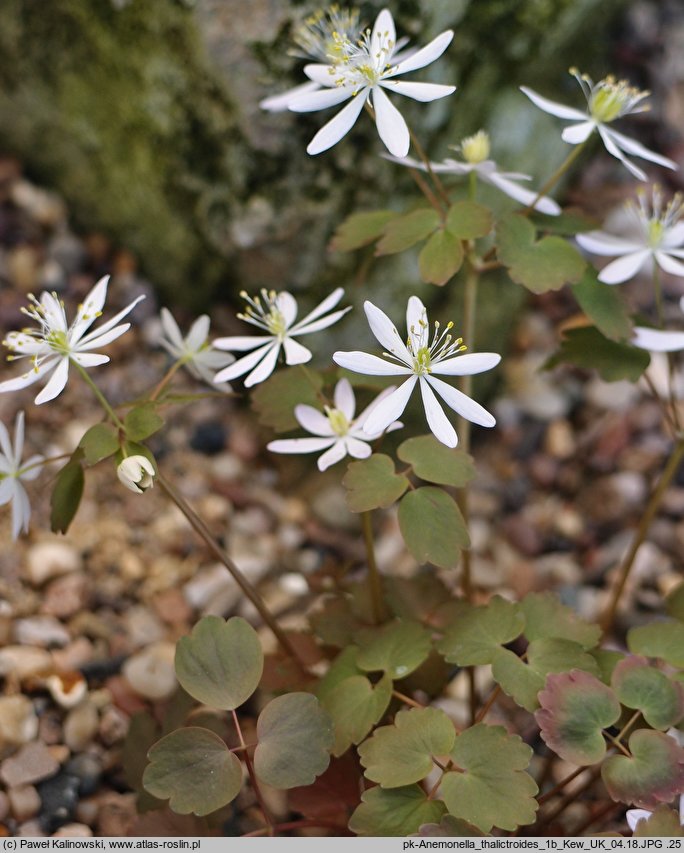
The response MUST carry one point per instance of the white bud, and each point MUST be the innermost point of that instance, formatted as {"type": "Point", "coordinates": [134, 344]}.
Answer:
{"type": "Point", "coordinates": [136, 473]}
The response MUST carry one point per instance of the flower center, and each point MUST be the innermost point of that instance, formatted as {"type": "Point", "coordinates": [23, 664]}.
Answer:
{"type": "Point", "coordinates": [325, 35]}
{"type": "Point", "coordinates": [338, 421]}
{"type": "Point", "coordinates": [476, 148]}
{"type": "Point", "coordinates": [264, 311]}
{"type": "Point", "coordinates": [428, 352]}
{"type": "Point", "coordinates": [362, 64]}
{"type": "Point", "coordinates": [656, 219]}
{"type": "Point", "coordinates": [610, 98]}
{"type": "Point", "coordinates": [58, 341]}
{"type": "Point", "coordinates": [422, 361]}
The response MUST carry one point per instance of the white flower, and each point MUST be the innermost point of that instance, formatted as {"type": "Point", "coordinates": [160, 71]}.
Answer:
{"type": "Point", "coordinates": [659, 237]}
{"type": "Point", "coordinates": [361, 74]}
{"type": "Point", "coordinates": [54, 344]}
{"type": "Point", "coordinates": [337, 429]}
{"type": "Point", "coordinates": [136, 473]}
{"type": "Point", "coordinates": [607, 100]}
{"type": "Point", "coordinates": [275, 313]}
{"type": "Point", "coordinates": [12, 471]}
{"type": "Point", "coordinates": [475, 150]}
{"type": "Point", "coordinates": [194, 350]}
{"type": "Point", "coordinates": [657, 340]}
{"type": "Point", "coordinates": [419, 359]}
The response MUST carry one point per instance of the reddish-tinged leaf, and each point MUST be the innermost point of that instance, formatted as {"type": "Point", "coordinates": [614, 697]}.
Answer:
{"type": "Point", "coordinates": [638, 684]}
{"type": "Point", "coordinates": [333, 795]}
{"type": "Point", "coordinates": [653, 775]}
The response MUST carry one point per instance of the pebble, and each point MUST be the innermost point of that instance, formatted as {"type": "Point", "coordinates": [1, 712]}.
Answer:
{"type": "Point", "coordinates": [4, 805]}
{"type": "Point", "coordinates": [87, 768]}
{"type": "Point", "coordinates": [42, 631]}
{"type": "Point", "coordinates": [81, 726]}
{"type": "Point", "coordinates": [143, 626]}
{"type": "Point", "coordinates": [67, 688]}
{"type": "Point", "coordinates": [66, 596]}
{"type": "Point", "coordinates": [117, 815]}
{"type": "Point", "coordinates": [559, 441]}
{"type": "Point", "coordinates": [212, 589]}
{"type": "Point", "coordinates": [113, 726]}
{"type": "Point", "coordinates": [32, 763]}
{"type": "Point", "coordinates": [58, 797]}
{"type": "Point", "coordinates": [47, 560]}
{"type": "Point", "coordinates": [73, 830]}
{"type": "Point", "coordinates": [24, 802]}
{"type": "Point", "coordinates": [18, 720]}
{"type": "Point", "coordinates": [24, 661]}
{"type": "Point", "coordinates": [151, 672]}
{"type": "Point", "coordinates": [172, 607]}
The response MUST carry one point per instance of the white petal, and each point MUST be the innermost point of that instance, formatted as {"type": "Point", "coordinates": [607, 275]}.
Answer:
{"type": "Point", "coordinates": [320, 99]}
{"type": "Point", "coordinates": [415, 312]}
{"type": "Point", "coordinates": [278, 103]}
{"type": "Point", "coordinates": [56, 384]}
{"type": "Point", "coordinates": [170, 328]}
{"type": "Point", "coordinates": [409, 162]}
{"type": "Point", "coordinates": [299, 445]}
{"type": "Point", "coordinates": [345, 401]}
{"type": "Point", "coordinates": [287, 305]}
{"type": "Point", "coordinates": [602, 243]}
{"type": "Point", "coordinates": [330, 457]}
{"type": "Point", "coordinates": [467, 365]}
{"type": "Point", "coordinates": [656, 340]}
{"type": "Point", "coordinates": [391, 125]}
{"type": "Point", "coordinates": [424, 92]}
{"type": "Point", "coordinates": [105, 327]}
{"type": "Point", "coordinates": [6, 445]}
{"type": "Point", "coordinates": [7, 488]}
{"type": "Point", "coordinates": [338, 126]}
{"type": "Point", "coordinates": [357, 448]}
{"type": "Point", "coordinates": [303, 328]}
{"type": "Point", "coordinates": [31, 468]}
{"type": "Point", "coordinates": [383, 38]}
{"type": "Point", "coordinates": [18, 438]}
{"type": "Point", "coordinates": [523, 195]}
{"type": "Point", "coordinates": [635, 815]}
{"type": "Point", "coordinates": [88, 359]}
{"type": "Point", "coordinates": [246, 363]}
{"type": "Point", "coordinates": [91, 308]}
{"type": "Point", "coordinates": [363, 362]}
{"type": "Point", "coordinates": [95, 339]}
{"type": "Point", "coordinates": [433, 50]}
{"type": "Point", "coordinates": [198, 334]}
{"type": "Point", "coordinates": [329, 302]}
{"type": "Point", "coordinates": [674, 236]}
{"type": "Point", "coordinates": [264, 369]}
{"type": "Point", "coordinates": [613, 148]}
{"type": "Point", "coordinates": [54, 311]}
{"type": "Point", "coordinates": [386, 332]}
{"type": "Point", "coordinates": [437, 420]}
{"type": "Point", "coordinates": [624, 268]}
{"type": "Point", "coordinates": [241, 343]}
{"type": "Point", "coordinates": [24, 344]}
{"type": "Point", "coordinates": [669, 264]}
{"type": "Point", "coordinates": [389, 409]}
{"type": "Point", "coordinates": [466, 408]}
{"type": "Point", "coordinates": [322, 75]}
{"type": "Point", "coordinates": [552, 107]}
{"type": "Point", "coordinates": [21, 510]}
{"type": "Point", "coordinates": [578, 133]}
{"type": "Point", "coordinates": [312, 420]}
{"type": "Point", "coordinates": [357, 427]}
{"type": "Point", "coordinates": [631, 146]}
{"type": "Point", "coordinates": [28, 378]}
{"type": "Point", "coordinates": [295, 353]}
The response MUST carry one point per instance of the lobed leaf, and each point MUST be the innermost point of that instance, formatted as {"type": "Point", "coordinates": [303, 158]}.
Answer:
{"type": "Point", "coordinates": [539, 265]}
{"type": "Point", "coordinates": [402, 232]}
{"type": "Point", "coordinates": [355, 706]}
{"type": "Point", "coordinates": [604, 306]}
{"type": "Point", "coordinates": [220, 663]}
{"type": "Point", "coordinates": [99, 442]}
{"type": "Point", "coordinates": [495, 789]}
{"type": "Point", "coordinates": [67, 493]}
{"type": "Point", "coordinates": [433, 527]}
{"type": "Point", "coordinates": [662, 823]}
{"type": "Point", "coordinates": [547, 617]}
{"type": "Point", "coordinates": [567, 224]}
{"type": "Point", "coordinates": [402, 753]}
{"type": "Point", "coordinates": [394, 812]}
{"type": "Point", "coordinates": [373, 483]}
{"type": "Point", "coordinates": [193, 769]}
{"type": "Point", "coordinates": [477, 632]}
{"type": "Point", "coordinates": [397, 648]}
{"type": "Point", "coordinates": [654, 773]}
{"type": "Point", "coordinates": [275, 399]}
{"type": "Point", "coordinates": [575, 708]}
{"type": "Point", "coordinates": [450, 827]}
{"type": "Point", "coordinates": [435, 462]}
{"type": "Point", "coordinates": [142, 422]}
{"type": "Point", "coordinates": [468, 220]}
{"type": "Point", "coordinates": [360, 229]}
{"type": "Point", "coordinates": [295, 739]}
{"type": "Point", "coordinates": [586, 347]}
{"type": "Point", "coordinates": [664, 640]}
{"type": "Point", "coordinates": [440, 258]}
{"type": "Point", "coordinates": [637, 684]}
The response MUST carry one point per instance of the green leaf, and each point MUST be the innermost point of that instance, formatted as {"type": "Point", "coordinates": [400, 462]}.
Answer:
{"type": "Point", "coordinates": [662, 823]}
{"type": "Point", "coordinates": [664, 640]}
{"type": "Point", "coordinates": [360, 229]}
{"type": "Point", "coordinates": [607, 660]}
{"type": "Point", "coordinates": [567, 223]}
{"type": "Point", "coordinates": [587, 348]}
{"type": "Point", "coordinates": [604, 306]}
{"type": "Point", "coordinates": [99, 442]}
{"type": "Point", "coordinates": [653, 774]}
{"type": "Point", "coordinates": [450, 827]}
{"type": "Point", "coordinates": [275, 399]}
{"type": "Point", "coordinates": [220, 663]}
{"type": "Point", "coordinates": [433, 527]}
{"type": "Point", "coordinates": [546, 617]}
{"type": "Point", "coordinates": [67, 494]}
{"type": "Point", "coordinates": [674, 603]}
{"type": "Point", "coordinates": [397, 648]}
{"type": "Point", "coordinates": [435, 462]}
{"type": "Point", "coordinates": [542, 265]}
{"type": "Point", "coordinates": [495, 789]}
{"type": "Point", "coordinates": [405, 231]}
{"type": "Point", "coordinates": [400, 754]}
{"type": "Point", "coordinates": [575, 707]}
{"type": "Point", "coordinates": [440, 258]}
{"type": "Point", "coordinates": [142, 422]}
{"type": "Point", "coordinates": [638, 684]}
{"type": "Point", "coordinates": [417, 597]}
{"type": "Point", "coordinates": [477, 632]}
{"type": "Point", "coordinates": [468, 220]}
{"type": "Point", "coordinates": [142, 734]}
{"type": "Point", "coordinates": [194, 770]}
{"type": "Point", "coordinates": [295, 738]}
{"type": "Point", "coordinates": [355, 706]}
{"type": "Point", "coordinates": [373, 483]}
{"type": "Point", "coordinates": [394, 812]}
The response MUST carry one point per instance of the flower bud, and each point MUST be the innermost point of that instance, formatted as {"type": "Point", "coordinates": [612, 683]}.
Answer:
{"type": "Point", "coordinates": [136, 473]}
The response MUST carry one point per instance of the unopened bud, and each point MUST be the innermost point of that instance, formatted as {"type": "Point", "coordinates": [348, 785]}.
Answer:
{"type": "Point", "coordinates": [136, 473]}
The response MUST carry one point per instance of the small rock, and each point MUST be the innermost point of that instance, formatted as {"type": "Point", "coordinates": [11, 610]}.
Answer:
{"type": "Point", "coordinates": [212, 586]}
{"type": "Point", "coordinates": [47, 560]}
{"type": "Point", "coordinates": [209, 438]}
{"type": "Point", "coordinates": [80, 726]}
{"type": "Point", "coordinates": [18, 720]}
{"type": "Point", "coordinates": [74, 656]}
{"type": "Point", "coordinates": [67, 688]}
{"type": "Point", "coordinates": [24, 802]}
{"type": "Point", "coordinates": [31, 829]}
{"type": "Point", "coordinates": [87, 768]}
{"type": "Point", "coordinates": [151, 672]}
{"type": "Point", "coordinates": [117, 815]}
{"type": "Point", "coordinates": [614, 396]}
{"type": "Point", "coordinates": [73, 830]}
{"type": "Point", "coordinates": [559, 441]}
{"type": "Point", "coordinates": [58, 797]}
{"type": "Point", "coordinates": [50, 727]}
{"type": "Point", "coordinates": [142, 626]}
{"type": "Point", "coordinates": [31, 763]}
{"type": "Point", "coordinates": [65, 596]}
{"type": "Point", "coordinates": [4, 805]}
{"type": "Point", "coordinates": [22, 661]}
{"type": "Point", "coordinates": [42, 631]}
{"type": "Point", "coordinates": [172, 607]}
{"type": "Point", "coordinates": [113, 726]}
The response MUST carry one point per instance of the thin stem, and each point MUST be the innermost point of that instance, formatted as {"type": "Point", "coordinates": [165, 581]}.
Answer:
{"type": "Point", "coordinates": [628, 725]}
{"type": "Point", "coordinates": [44, 462]}
{"type": "Point", "coordinates": [557, 175]}
{"type": "Point", "coordinates": [252, 776]}
{"type": "Point", "coordinates": [250, 591]}
{"type": "Point", "coordinates": [570, 798]}
{"type": "Point", "coordinates": [166, 378]}
{"type": "Point", "coordinates": [559, 787]}
{"type": "Point", "coordinates": [374, 580]}
{"type": "Point", "coordinates": [651, 509]}
{"type": "Point", "coordinates": [486, 708]}
{"type": "Point", "coordinates": [100, 396]}
{"type": "Point", "coordinates": [427, 192]}
{"type": "Point", "coordinates": [439, 186]}
{"type": "Point", "coordinates": [407, 699]}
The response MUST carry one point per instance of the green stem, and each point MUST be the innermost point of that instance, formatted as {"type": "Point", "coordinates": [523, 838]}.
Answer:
{"type": "Point", "coordinates": [249, 590]}
{"type": "Point", "coordinates": [252, 776]}
{"type": "Point", "coordinates": [168, 376]}
{"type": "Point", "coordinates": [374, 580]}
{"type": "Point", "coordinates": [439, 186]}
{"type": "Point", "coordinates": [642, 530]}
{"type": "Point", "coordinates": [557, 175]}
{"type": "Point", "coordinates": [100, 396]}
